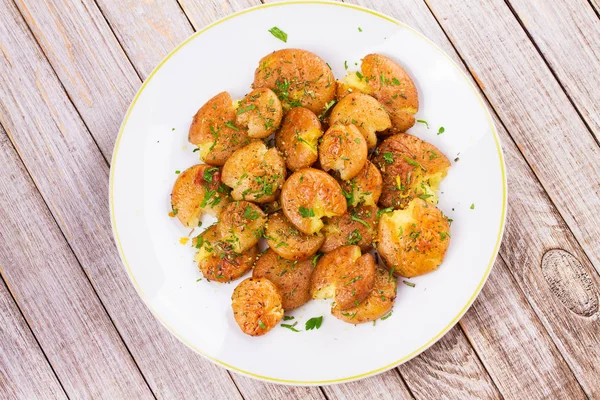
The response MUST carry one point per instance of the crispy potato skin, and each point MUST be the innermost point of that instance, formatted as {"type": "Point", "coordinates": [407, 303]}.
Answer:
{"type": "Point", "coordinates": [287, 241]}
{"type": "Point", "coordinates": [241, 225]}
{"type": "Point", "coordinates": [379, 302]}
{"type": "Point", "coordinates": [292, 278]}
{"type": "Point", "coordinates": [209, 132]}
{"type": "Point", "coordinates": [343, 149]}
{"type": "Point", "coordinates": [363, 111]}
{"type": "Point", "coordinates": [254, 173]}
{"type": "Point", "coordinates": [298, 138]}
{"type": "Point", "coordinates": [298, 77]}
{"type": "Point", "coordinates": [364, 188]}
{"type": "Point", "coordinates": [345, 275]}
{"type": "Point", "coordinates": [349, 230]}
{"type": "Point", "coordinates": [410, 168]}
{"type": "Point", "coordinates": [256, 305]}
{"type": "Point", "coordinates": [219, 268]}
{"type": "Point", "coordinates": [314, 192]}
{"type": "Point", "coordinates": [189, 196]}
{"type": "Point", "coordinates": [260, 112]}
{"type": "Point", "coordinates": [414, 241]}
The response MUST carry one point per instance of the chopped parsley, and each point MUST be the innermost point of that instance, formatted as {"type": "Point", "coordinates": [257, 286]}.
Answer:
{"type": "Point", "coordinates": [365, 223]}
{"type": "Point", "coordinates": [313, 323]}
{"type": "Point", "coordinates": [315, 259]}
{"type": "Point", "coordinates": [414, 163]}
{"type": "Point", "coordinates": [287, 317]}
{"type": "Point", "coordinates": [345, 65]}
{"type": "Point", "coordinates": [242, 110]}
{"type": "Point", "coordinates": [306, 212]}
{"type": "Point", "coordinates": [230, 124]}
{"type": "Point", "coordinates": [388, 157]}
{"type": "Point", "coordinates": [359, 75]}
{"type": "Point", "coordinates": [279, 34]}
{"type": "Point", "coordinates": [261, 324]}
{"type": "Point", "coordinates": [384, 211]}
{"type": "Point", "coordinates": [422, 121]}
{"type": "Point", "coordinates": [387, 316]}
{"type": "Point", "coordinates": [441, 130]}
{"type": "Point", "coordinates": [354, 237]}
{"type": "Point", "coordinates": [327, 107]}
{"type": "Point", "coordinates": [472, 206]}
{"type": "Point", "coordinates": [251, 214]}
{"type": "Point", "coordinates": [178, 172]}
{"type": "Point", "coordinates": [290, 327]}
{"type": "Point", "coordinates": [407, 283]}
{"type": "Point", "coordinates": [360, 30]}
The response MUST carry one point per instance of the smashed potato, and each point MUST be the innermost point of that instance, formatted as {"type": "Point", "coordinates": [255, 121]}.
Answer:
{"type": "Point", "coordinates": [309, 195]}
{"type": "Point", "coordinates": [363, 111]}
{"type": "Point", "coordinates": [260, 112]}
{"type": "Point", "coordinates": [287, 241]}
{"type": "Point", "coordinates": [254, 173]}
{"type": "Point", "coordinates": [379, 302]}
{"type": "Point", "coordinates": [241, 225]}
{"type": "Point", "coordinates": [292, 278]}
{"type": "Point", "coordinates": [410, 168]}
{"type": "Point", "coordinates": [344, 275]}
{"type": "Point", "coordinates": [344, 149]}
{"type": "Point", "coordinates": [364, 188]}
{"type": "Point", "coordinates": [256, 305]}
{"type": "Point", "coordinates": [298, 77]}
{"type": "Point", "coordinates": [355, 227]}
{"type": "Point", "coordinates": [216, 259]}
{"type": "Point", "coordinates": [196, 191]}
{"type": "Point", "coordinates": [414, 241]}
{"type": "Point", "coordinates": [298, 138]}
{"type": "Point", "coordinates": [215, 132]}
{"type": "Point", "coordinates": [389, 83]}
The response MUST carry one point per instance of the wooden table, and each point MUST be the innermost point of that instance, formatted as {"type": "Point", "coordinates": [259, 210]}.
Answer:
{"type": "Point", "coordinates": [71, 324]}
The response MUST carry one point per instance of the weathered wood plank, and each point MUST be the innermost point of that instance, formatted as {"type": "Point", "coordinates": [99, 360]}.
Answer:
{"type": "Point", "coordinates": [252, 389]}
{"type": "Point", "coordinates": [202, 13]}
{"type": "Point", "coordinates": [24, 371]}
{"type": "Point", "coordinates": [533, 366]}
{"type": "Point", "coordinates": [532, 105]}
{"type": "Point", "coordinates": [568, 35]}
{"type": "Point", "coordinates": [72, 176]}
{"type": "Point", "coordinates": [596, 5]}
{"type": "Point", "coordinates": [386, 386]}
{"type": "Point", "coordinates": [54, 294]}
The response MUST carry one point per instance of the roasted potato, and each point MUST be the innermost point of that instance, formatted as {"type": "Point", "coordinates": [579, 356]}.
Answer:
{"type": "Point", "coordinates": [344, 150]}
{"type": "Point", "coordinates": [196, 191]}
{"type": "Point", "coordinates": [287, 241]}
{"type": "Point", "coordinates": [344, 275]}
{"type": "Point", "coordinates": [292, 278]}
{"type": "Point", "coordinates": [215, 132]}
{"type": "Point", "coordinates": [216, 259]}
{"type": "Point", "coordinates": [241, 225]}
{"type": "Point", "coordinates": [364, 188]}
{"type": "Point", "coordinates": [309, 195]}
{"type": "Point", "coordinates": [254, 173]}
{"type": "Point", "coordinates": [298, 138]}
{"type": "Point", "coordinates": [256, 305]}
{"type": "Point", "coordinates": [260, 112]}
{"type": "Point", "coordinates": [379, 302]}
{"type": "Point", "coordinates": [389, 83]}
{"type": "Point", "coordinates": [413, 241]}
{"type": "Point", "coordinates": [363, 111]}
{"type": "Point", "coordinates": [410, 168]}
{"type": "Point", "coordinates": [357, 226]}
{"type": "Point", "coordinates": [298, 77]}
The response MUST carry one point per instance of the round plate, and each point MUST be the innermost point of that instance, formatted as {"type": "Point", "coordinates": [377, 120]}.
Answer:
{"type": "Point", "coordinates": [152, 145]}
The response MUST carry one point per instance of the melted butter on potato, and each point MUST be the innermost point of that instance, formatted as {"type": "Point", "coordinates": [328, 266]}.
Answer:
{"type": "Point", "coordinates": [241, 225]}
{"type": "Point", "coordinates": [356, 227]}
{"type": "Point", "coordinates": [260, 112]}
{"type": "Point", "coordinates": [298, 138]}
{"type": "Point", "coordinates": [343, 149]}
{"type": "Point", "coordinates": [413, 241]}
{"type": "Point", "coordinates": [256, 305]}
{"type": "Point", "coordinates": [254, 173]}
{"type": "Point", "coordinates": [287, 241]}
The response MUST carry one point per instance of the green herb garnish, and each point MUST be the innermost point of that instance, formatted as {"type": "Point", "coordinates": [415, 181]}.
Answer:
{"type": "Point", "coordinates": [387, 316]}
{"type": "Point", "coordinates": [422, 121]}
{"type": "Point", "coordinates": [388, 157]}
{"type": "Point", "coordinates": [279, 34]}
{"type": "Point", "coordinates": [407, 283]}
{"type": "Point", "coordinates": [306, 212]}
{"type": "Point", "coordinates": [313, 323]}
{"type": "Point", "coordinates": [441, 130]}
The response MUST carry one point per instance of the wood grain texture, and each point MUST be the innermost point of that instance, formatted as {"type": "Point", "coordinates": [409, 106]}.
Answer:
{"type": "Point", "coordinates": [568, 35]}
{"type": "Point", "coordinates": [535, 110]}
{"type": "Point", "coordinates": [596, 5]}
{"type": "Point", "coordinates": [202, 13]}
{"type": "Point", "coordinates": [72, 176]}
{"type": "Point", "coordinates": [253, 389]}
{"type": "Point", "coordinates": [24, 371]}
{"type": "Point", "coordinates": [386, 386]}
{"type": "Point", "coordinates": [54, 294]}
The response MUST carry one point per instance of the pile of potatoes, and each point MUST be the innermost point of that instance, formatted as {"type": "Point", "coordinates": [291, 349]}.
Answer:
{"type": "Point", "coordinates": [322, 170]}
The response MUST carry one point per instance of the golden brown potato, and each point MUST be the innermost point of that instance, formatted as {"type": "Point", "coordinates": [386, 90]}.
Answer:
{"type": "Point", "coordinates": [344, 275]}
{"type": "Point", "coordinates": [364, 188]}
{"type": "Point", "coordinates": [255, 173]}
{"type": "Point", "coordinates": [215, 132]}
{"type": "Point", "coordinates": [357, 226]}
{"type": "Point", "coordinates": [363, 111]}
{"type": "Point", "coordinates": [298, 138]}
{"type": "Point", "coordinates": [309, 195]}
{"type": "Point", "coordinates": [413, 241]}
{"type": "Point", "coordinates": [241, 225]}
{"type": "Point", "coordinates": [410, 168]}
{"type": "Point", "coordinates": [216, 259]}
{"type": "Point", "coordinates": [389, 83]}
{"type": "Point", "coordinates": [196, 191]}
{"type": "Point", "coordinates": [260, 112]}
{"type": "Point", "coordinates": [292, 278]}
{"type": "Point", "coordinates": [343, 149]}
{"type": "Point", "coordinates": [298, 77]}
{"type": "Point", "coordinates": [379, 302]}
{"type": "Point", "coordinates": [287, 241]}
{"type": "Point", "coordinates": [256, 305]}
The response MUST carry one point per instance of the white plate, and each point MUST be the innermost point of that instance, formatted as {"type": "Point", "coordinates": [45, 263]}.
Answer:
{"type": "Point", "coordinates": [152, 145]}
